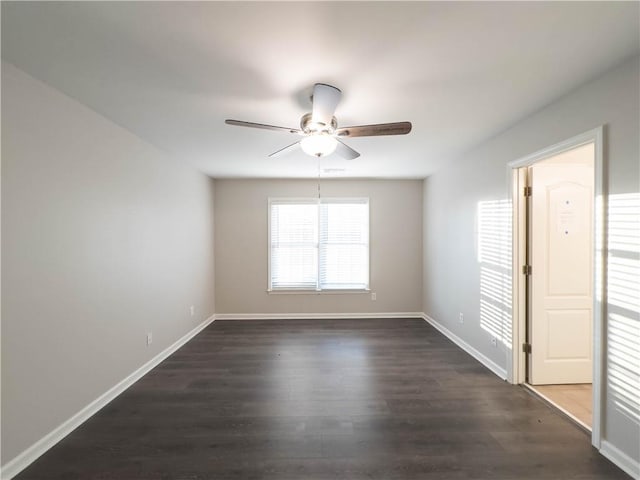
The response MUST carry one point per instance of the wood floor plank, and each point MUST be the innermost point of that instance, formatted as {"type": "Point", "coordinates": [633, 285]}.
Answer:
{"type": "Point", "coordinates": [323, 399]}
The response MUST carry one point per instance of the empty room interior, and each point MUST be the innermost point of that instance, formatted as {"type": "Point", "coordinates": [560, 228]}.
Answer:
{"type": "Point", "coordinates": [320, 240]}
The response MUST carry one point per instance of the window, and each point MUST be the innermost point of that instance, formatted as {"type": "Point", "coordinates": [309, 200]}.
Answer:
{"type": "Point", "coordinates": [319, 244]}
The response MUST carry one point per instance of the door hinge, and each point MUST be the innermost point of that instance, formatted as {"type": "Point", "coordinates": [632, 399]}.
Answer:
{"type": "Point", "coordinates": [526, 269]}
{"type": "Point", "coordinates": [527, 191]}
{"type": "Point", "coordinates": [526, 347]}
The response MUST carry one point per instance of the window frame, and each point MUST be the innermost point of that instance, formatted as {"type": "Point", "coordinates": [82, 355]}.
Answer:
{"type": "Point", "coordinates": [317, 201]}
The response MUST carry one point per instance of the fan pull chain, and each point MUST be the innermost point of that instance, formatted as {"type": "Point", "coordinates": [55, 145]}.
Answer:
{"type": "Point", "coordinates": [318, 179]}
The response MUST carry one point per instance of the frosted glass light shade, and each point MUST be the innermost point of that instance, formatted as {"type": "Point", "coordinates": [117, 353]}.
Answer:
{"type": "Point", "coordinates": [318, 145]}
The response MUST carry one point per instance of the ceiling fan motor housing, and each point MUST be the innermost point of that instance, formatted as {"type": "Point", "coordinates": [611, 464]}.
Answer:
{"type": "Point", "coordinates": [308, 126]}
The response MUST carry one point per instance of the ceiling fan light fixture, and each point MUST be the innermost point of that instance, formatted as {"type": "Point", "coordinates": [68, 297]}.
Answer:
{"type": "Point", "coordinates": [318, 145]}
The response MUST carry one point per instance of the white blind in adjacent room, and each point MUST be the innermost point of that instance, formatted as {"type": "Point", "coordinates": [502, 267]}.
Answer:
{"type": "Point", "coordinates": [319, 245]}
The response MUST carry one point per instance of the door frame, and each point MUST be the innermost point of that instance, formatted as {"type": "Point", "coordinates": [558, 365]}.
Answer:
{"type": "Point", "coordinates": [516, 357]}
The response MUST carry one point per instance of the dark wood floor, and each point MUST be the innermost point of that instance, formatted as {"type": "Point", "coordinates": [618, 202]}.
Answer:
{"type": "Point", "coordinates": [330, 399]}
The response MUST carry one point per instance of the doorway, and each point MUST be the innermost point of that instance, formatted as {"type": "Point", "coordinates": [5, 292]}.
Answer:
{"type": "Point", "coordinates": [557, 306]}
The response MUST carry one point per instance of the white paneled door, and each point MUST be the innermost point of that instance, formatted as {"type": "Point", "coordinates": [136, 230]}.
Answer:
{"type": "Point", "coordinates": [561, 246]}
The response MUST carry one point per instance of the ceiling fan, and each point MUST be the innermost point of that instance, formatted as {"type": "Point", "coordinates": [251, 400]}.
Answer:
{"type": "Point", "coordinates": [319, 128]}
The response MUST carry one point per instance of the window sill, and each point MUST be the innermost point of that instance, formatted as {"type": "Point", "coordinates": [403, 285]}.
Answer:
{"type": "Point", "coordinates": [320, 292]}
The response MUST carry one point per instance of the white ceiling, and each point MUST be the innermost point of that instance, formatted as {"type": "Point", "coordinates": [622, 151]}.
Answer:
{"type": "Point", "coordinates": [171, 72]}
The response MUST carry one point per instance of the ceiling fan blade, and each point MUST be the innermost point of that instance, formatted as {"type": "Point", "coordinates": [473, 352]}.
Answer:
{"type": "Point", "coordinates": [398, 128]}
{"type": "Point", "coordinates": [325, 100]}
{"type": "Point", "coordinates": [240, 123]}
{"type": "Point", "coordinates": [345, 151]}
{"type": "Point", "coordinates": [285, 150]}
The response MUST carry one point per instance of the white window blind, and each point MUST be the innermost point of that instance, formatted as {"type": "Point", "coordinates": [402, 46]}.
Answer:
{"type": "Point", "coordinates": [344, 244]}
{"type": "Point", "coordinates": [294, 245]}
{"type": "Point", "coordinates": [319, 245]}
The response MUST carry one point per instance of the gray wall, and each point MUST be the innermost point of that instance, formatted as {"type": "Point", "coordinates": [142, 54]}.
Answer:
{"type": "Point", "coordinates": [103, 240]}
{"type": "Point", "coordinates": [241, 246]}
{"type": "Point", "coordinates": [451, 198]}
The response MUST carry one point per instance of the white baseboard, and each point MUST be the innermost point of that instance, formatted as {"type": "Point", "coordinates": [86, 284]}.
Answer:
{"type": "Point", "coordinates": [314, 316]}
{"type": "Point", "coordinates": [486, 361]}
{"type": "Point", "coordinates": [28, 456]}
{"type": "Point", "coordinates": [621, 459]}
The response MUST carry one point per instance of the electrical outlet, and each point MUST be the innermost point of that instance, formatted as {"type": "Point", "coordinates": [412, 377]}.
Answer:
{"type": "Point", "coordinates": [373, 296]}
{"type": "Point", "coordinates": [461, 317]}
{"type": "Point", "coordinates": [192, 310]}
{"type": "Point", "coordinates": [494, 341]}
{"type": "Point", "coordinates": [149, 338]}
